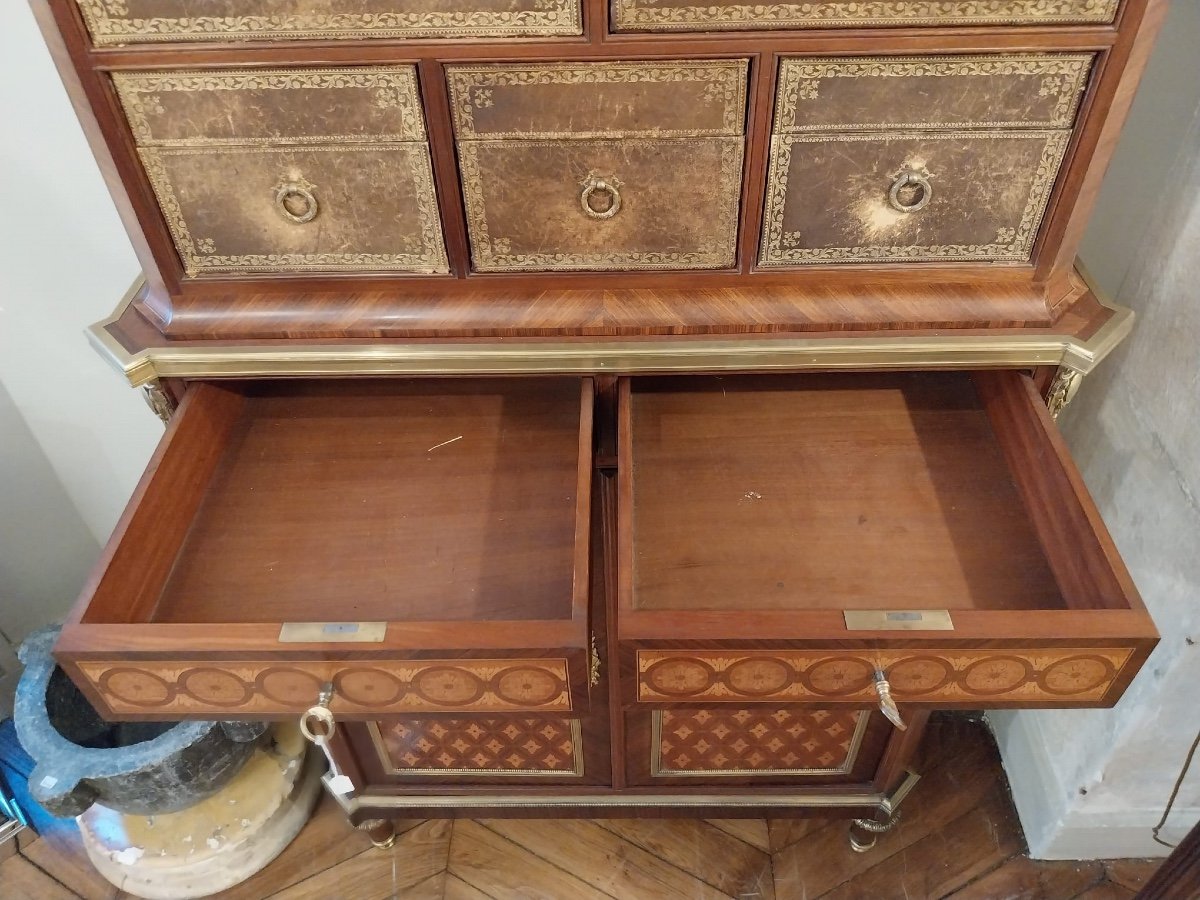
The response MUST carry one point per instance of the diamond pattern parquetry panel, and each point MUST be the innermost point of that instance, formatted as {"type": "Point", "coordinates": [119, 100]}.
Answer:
{"type": "Point", "coordinates": [749, 741]}
{"type": "Point", "coordinates": [480, 746]}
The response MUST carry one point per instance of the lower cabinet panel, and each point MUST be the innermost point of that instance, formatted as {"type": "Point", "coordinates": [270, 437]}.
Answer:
{"type": "Point", "coordinates": [754, 744]}
{"type": "Point", "coordinates": [478, 749]}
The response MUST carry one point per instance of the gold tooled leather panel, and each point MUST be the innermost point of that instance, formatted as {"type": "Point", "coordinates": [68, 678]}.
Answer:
{"type": "Point", "coordinates": [932, 92]}
{"type": "Point", "coordinates": [145, 21]}
{"type": "Point", "coordinates": [678, 201]}
{"type": "Point", "coordinates": [700, 98]}
{"type": "Point", "coordinates": [204, 108]}
{"type": "Point", "coordinates": [373, 207]}
{"type": "Point", "coordinates": [689, 15]}
{"type": "Point", "coordinates": [985, 198]}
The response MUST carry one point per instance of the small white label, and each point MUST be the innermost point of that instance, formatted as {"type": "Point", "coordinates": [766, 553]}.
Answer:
{"type": "Point", "coordinates": [48, 782]}
{"type": "Point", "coordinates": [340, 784]}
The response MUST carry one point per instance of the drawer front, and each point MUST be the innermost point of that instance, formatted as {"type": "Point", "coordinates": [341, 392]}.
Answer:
{"type": "Point", "coordinates": [144, 21]}
{"type": "Point", "coordinates": [689, 15]}
{"type": "Point", "coordinates": [610, 99]}
{"type": "Point", "coordinates": [479, 747]}
{"type": "Point", "coordinates": [328, 207]}
{"type": "Point", "coordinates": [602, 204]}
{"type": "Point", "coordinates": [362, 688]}
{"type": "Point", "coordinates": [284, 105]}
{"type": "Point", "coordinates": [912, 196]}
{"type": "Point", "coordinates": [1022, 91]}
{"type": "Point", "coordinates": [979, 678]}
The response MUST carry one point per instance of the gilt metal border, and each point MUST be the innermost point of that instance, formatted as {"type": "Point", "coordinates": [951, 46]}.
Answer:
{"type": "Point", "coordinates": [300, 359]}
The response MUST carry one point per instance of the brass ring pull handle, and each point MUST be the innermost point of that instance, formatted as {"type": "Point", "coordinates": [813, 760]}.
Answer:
{"type": "Point", "coordinates": [296, 202]}
{"type": "Point", "coordinates": [606, 186]}
{"type": "Point", "coordinates": [887, 705]}
{"type": "Point", "coordinates": [907, 179]}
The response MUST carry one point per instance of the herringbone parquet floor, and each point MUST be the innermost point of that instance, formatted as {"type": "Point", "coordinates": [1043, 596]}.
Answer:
{"type": "Point", "coordinates": [959, 838]}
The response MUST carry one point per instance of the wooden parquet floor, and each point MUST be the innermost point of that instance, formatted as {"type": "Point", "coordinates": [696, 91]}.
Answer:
{"type": "Point", "coordinates": [958, 838]}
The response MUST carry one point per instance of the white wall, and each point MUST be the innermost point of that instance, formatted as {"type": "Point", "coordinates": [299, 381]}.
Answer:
{"type": "Point", "coordinates": [1092, 783]}
{"type": "Point", "coordinates": [64, 263]}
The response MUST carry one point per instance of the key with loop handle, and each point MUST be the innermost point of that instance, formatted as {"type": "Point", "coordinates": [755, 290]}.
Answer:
{"type": "Point", "coordinates": [318, 725]}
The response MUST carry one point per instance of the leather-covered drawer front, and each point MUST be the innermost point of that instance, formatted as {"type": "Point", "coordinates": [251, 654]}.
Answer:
{"type": "Point", "coordinates": [1057, 676]}
{"type": "Point", "coordinates": [602, 204]}
{"type": "Point", "coordinates": [154, 21]}
{"type": "Point", "coordinates": [289, 170]}
{"type": "Point", "coordinates": [671, 98]}
{"type": "Point", "coordinates": [908, 195]}
{"type": "Point", "coordinates": [630, 165]}
{"type": "Point", "coordinates": [307, 208]}
{"type": "Point", "coordinates": [930, 92]}
{"type": "Point", "coordinates": [754, 744]}
{"type": "Point", "coordinates": [715, 15]}
{"type": "Point", "coordinates": [202, 108]}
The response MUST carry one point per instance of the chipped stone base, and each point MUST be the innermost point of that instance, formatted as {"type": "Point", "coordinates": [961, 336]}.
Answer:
{"type": "Point", "coordinates": [220, 841]}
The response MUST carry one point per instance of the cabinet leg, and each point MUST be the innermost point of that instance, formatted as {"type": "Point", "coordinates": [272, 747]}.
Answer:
{"type": "Point", "coordinates": [864, 833]}
{"type": "Point", "coordinates": [381, 832]}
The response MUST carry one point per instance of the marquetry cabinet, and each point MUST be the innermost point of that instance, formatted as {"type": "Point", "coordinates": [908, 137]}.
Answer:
{"type": "Point", "coordinates": [607, 407]}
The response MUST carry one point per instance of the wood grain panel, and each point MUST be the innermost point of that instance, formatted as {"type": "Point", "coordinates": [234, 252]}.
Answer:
{"type": "Point", "coordinates": [824, 491]}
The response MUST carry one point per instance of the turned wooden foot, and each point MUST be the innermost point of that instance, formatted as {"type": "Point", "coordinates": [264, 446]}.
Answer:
{"type": "Point", "coordinates": [381, 832]}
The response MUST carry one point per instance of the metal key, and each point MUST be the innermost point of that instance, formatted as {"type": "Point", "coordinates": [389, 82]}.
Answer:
{"type": "Point", "coordinates": [337, 781]}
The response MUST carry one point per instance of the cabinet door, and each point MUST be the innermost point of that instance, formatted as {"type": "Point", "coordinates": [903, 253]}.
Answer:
{"type": "Point", "coordinates": [423, 546]}
{"type": "Point", "coordinates": [798, 539]}
{"type": "Point", "coordinates": [754, 744]}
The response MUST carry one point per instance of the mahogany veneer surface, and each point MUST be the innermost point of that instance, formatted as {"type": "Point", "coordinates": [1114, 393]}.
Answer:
{"type": "Point", "coordinates": [334, 500]}
{"type": "Point", "coordinates": [838, 491]}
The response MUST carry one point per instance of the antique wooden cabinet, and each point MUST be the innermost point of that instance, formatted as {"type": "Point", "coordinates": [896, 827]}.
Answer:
{"type": "Point", "coordinates": [607, 408]}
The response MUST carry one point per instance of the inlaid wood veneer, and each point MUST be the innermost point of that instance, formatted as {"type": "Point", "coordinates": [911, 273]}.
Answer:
{"type": "Point", "coordinates": [366, 687]}
{"type": "Point", "coordinates": [1051, 676]}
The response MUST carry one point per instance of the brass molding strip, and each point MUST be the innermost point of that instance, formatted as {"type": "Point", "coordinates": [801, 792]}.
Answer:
{"type": "Point", "coordinates": [692, 354]}
{"type": "Point", "coordinates": [777, 800]}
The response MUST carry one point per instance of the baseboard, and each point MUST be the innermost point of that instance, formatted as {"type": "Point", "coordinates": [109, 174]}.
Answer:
{"type": "Point", "coordinates": [1057, 828]}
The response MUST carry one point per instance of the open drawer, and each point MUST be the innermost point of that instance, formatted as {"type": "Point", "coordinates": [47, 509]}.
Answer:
{"type": "Point", "coordinates": [420, 544]}
{"type": "Point", "coordinates": [797, 539]}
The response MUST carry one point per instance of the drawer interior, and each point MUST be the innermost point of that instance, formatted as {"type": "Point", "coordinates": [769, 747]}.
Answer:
{"type": "Point", "coordinates": [391, 500]}
{"type": "Point", "coordinates": [834, 492]}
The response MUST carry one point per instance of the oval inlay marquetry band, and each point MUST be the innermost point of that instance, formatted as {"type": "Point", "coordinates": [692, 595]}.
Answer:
{"type": "Point", "coordinates": [393, 686]}
{"type": "Point", "coordinates": [215, 687]}
{"type": "Point", "coordinates": [1079, 673]}
{"type": "Point", "coordinates": [136, 688]}
{"type": "Point", "coordinates": [1034, 676]}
